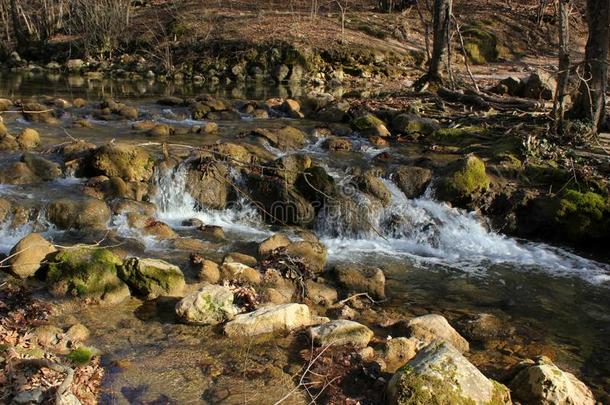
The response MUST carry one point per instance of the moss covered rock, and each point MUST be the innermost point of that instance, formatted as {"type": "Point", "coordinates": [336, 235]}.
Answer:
{"type": "Point", "coordinates": [86, 272]}
{"type": "Point", "coordinates": [481, 45]}
{"type": "Point", "coordinates": [152, 278]}
{"type": "Point", "coordinates": [583, 216]}
{"type": "Point", "coordinates": [466, 178]}
{"type": "Point", "coordinates": [131, 163]}
{"type": "Point", "coordinates": [341, 332]}
{"type": "Point", "coordinates": [411, 124]}
{"type": "Point", "coordinates": [370, 125]}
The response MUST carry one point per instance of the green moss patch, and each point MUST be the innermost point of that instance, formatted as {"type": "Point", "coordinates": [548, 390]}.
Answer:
{"type": "Point", "coordinates": [583, 215]}
{"type": "Point", "coordinates": [81, 356]}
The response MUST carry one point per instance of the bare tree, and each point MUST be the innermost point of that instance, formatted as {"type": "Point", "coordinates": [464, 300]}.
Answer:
{"type": "Point", "coordinates": [441, 23]}
{"type": "Point", "coordinates": [564, 64]}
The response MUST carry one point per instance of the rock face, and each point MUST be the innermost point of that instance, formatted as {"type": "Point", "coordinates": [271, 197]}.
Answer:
{"type": "Point", "coordinates": [541, 382]}
{"type": "Point", "coordinates": [440, 374]}
{"type": "Point", "coordinates": [87, 273]}
{"type": "Point", "coordinates": [152, 278]}
{"type": "Point", "coordinates": [360, 279]}
{"type": "Point", "coordinates": [275, 319]}
{"type": "Point", "coordinates": [29, 253]}
{"type": "Point", "coordinates": [85, 213]}
{"type": "Point", "coordinates": [431, 327]}
{"type": "Point", "coordinates": [211, 305]}
{"type": "Point", "coordinates": [128, 162]}
{"type": "Point", "coordinates": [341, 332]}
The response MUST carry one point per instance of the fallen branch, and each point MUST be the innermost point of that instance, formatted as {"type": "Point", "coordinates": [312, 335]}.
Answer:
{"type": "Point", "coordinates": [488, 101]}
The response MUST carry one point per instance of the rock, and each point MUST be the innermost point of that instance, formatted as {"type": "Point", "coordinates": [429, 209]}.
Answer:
{"type": "Point", "coordinates": [35, 396]}
{"type": "Point", "coordinates": [233, 271]}
{"type": "Point", "coordinates": [206, 183]}
{"type": "Point", "coordinates": [290, 167]}
{"type": "Point", "coordinates": [341, 332]}
{"type": "Point", "coordinates": [130, 113]}
{"type": "Point", "coordinates": [431, 327]}
{"type": "Point", "coordinates": [8, 142]}
{"type": "Point", "coordinates": [313, 254]}
{"type": "Point", "coordinates": [211, 305]}
{"type": "Point", "coordinates": [370, 125]}
{"type": "Point", "coordinates": [337, 144]}
{"type": "Point", "coordinates": [440, 374]}
{"type": "Point", "coordinates": [18, 173]}
{"type": "Point", "coordinates": [209, 272]}
{"type": "Point", "coordinates": [237, 257]}
{"type": "Point", "coordinates": [273, 319]}
{"type": "Point", "coordinates": [372, 185]}
{"type": "Point", "coordinates": [512, 86]}
{"type": "Point", "coordinates": [464, 180]}
{"type": "Point", "coordinates": [5, 104]}
{"type": "Point", "coordinates": [41, 167]}
{"type": "Point", "coordinates": [542, 382]}
{"type": "Point", "coordinates": [278, 240]}
{"type": "Point", "coordinates": [411, 124]}
{"type": "Point", "coordinates": [412, 180]}
{"type": "Point", "coordinates": [160, 130]}
{"type": "Point", "coordinates": [86, 272]}
{"type": "Point", "coordinates": [75, 65]}
{"type": "Point", "coordinates": [320, 294]}
{"type": "Point", "coordinates": [69, 213]}
{"type": "Point", "coordinates": [171, 101]}
{"type": "Point", "coordinates": [152, 278]}
{"type": "Point", "coordinates": [356, 279]}
{"type": "Point", "coordinates": [213, 232]}
{"type": "Point", "coordinates": [78, 333]}
{"type": "Point", "coordinates": [131, 163]}
{"type": "Point", "coordinates": [280, 202]}
{"type": "Point", "coordinates": [28, 254]}
{"type": "Point", "coordinates": [316, 185]}
{"type": "Point", "coordinates": [28, 139]}
{"type": "Point", "coordinates": [3, 130]}
{"type": "Point", "coordinates": [79, 102]}
{"type": "Point", "coordinates": [36, 112]}
{"type": "Point", "coordinates": [540, 85]}
{"type": "Point", "coordinates": [398, 351]}
{"type": "Point", "coordinates": [292, 108]}
{"type": "Point", "coordinates": [484, 326]}
{"type": "Point", "coordinates": [158, 229]}
{"type": "Point", "coordinates": [286, 138]}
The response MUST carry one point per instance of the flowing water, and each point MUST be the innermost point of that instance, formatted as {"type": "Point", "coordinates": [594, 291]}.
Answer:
{"type": "Point", "coordinates": [436, 259]}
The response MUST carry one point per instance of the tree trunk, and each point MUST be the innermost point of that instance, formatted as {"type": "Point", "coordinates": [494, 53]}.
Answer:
{"type": "Point", "coordinates": [442, 19]}
{"type": "Point", "coordinates": [591, 101]}
{"type": "Point", "coordinates": [564, 65]}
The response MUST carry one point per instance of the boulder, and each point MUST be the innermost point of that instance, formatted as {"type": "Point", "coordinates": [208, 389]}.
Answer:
{"type": "Point", "coordinates": [28, 139]}
{"type": "Point", "coordinates": [336, 144]}
{"type": "Point", "coordinates": [18, 173]}
{"type": "Point", "coordinates": [209, 272]}
{"type": "Point", "coordinates": [28, 254]}
{"type": "Point", "coordinates": [152, 278]}
{"type": "Point", "coordinates": [313, 254]}
{"type": "Point", "coordinates": [372, 185]}
{"type": "Point", "coordinates": [369, 125]}
{"type": "Point", "coordinates": [86, 272]}
{"type": "Point", "coordinates": [131, 163]}
{"type": "Point", "coordinates": [357, 279]}
{"type": "Point", "coordinates": [316, 185]}
{"type": "Point", "coordinates": [411, 124]}
{"type": "Point", "coordinates": [82, 213]}
{"type": "Point", "coordinates": [341, 332]}
{"type": "Point", "coordinates": [36, 112]}
{"type": "Point", "coordinates": [412, 180]}
{"type": "Point", "coordinates": [320, 293]}
{"type": "Point", "coordinates": [286, 138]}
{"type": "Point", "coordinates": [465, 179]}
{"type": "Point", "coordinates": [399, 351]}
{"type": "Point", "coordinates": [130, 113]}
{"type": "Point", "coordinates": [280, 202]}
{"type": "Point", "coordinates": [273, 319]}
{"type": "Point", "coordinates": [290, 167]}
{"type": "Point", "coordinates": [276, 241]}
{"type": "Point", "coordinates": [541, 382]}
{"type": "Point", "coordinates": [540, 85]}
{"type": "Point", "coordinates": [41, 167]}
{"type": "Point", "coordinates": [440, 374]}
{"type": "Point", "coordinates": [207, 183]}
{"type": "Point", "coordinates": [512, 86]}
{"type": "Point", "coordinates": [292, 108]}
{"type": "Point", "coordinates": [211, 305]}
{"type": "Point", "coordinates": [233, 271]}
{"type": "Point", "coordinates": [237, 257]}
{"type": "Point", "coordinates": [160, 131]}
{"type": "Point", "coordinates": [432, 327]}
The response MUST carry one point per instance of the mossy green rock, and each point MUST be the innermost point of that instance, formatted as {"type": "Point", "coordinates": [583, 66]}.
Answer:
{"type": "Point", "coordinates": [583, 216]}
{"type": "Point", "coordinates": [411, 124]}
{"type": "Point", "coordinates": [466, 178]}
{"type": "Point", "coordinates": [131, 163]}
{"type": "Point", "coordinates": [87, 273]}
{"type": "Point", "coordinates": [370, 125]}
{"type": "Point", "coordinates": [440, 375]}
{"type": "Point", "coordinates": [481, 45]}
{"type": "Point", "coordinates": [152, 278]}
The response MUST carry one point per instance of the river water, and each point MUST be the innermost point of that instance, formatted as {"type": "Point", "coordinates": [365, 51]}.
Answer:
{"type": "Point", "coordinates": [436, 259]}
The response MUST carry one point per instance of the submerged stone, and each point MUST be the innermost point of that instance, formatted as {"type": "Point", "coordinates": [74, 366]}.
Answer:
{"type": "Point", "coordinates": [211, 305]}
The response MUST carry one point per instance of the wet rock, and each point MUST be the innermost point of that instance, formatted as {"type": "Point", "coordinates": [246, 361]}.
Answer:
{"type": "Point", "coordinates": [131, 163]}
{"type": "Point", "coordinates": [398, 351]}
{"type": "Point", "coordinates": [44, 169]}
{"type": "Point", "coordinates": [242, 258]}
{"type": "Point", "coordinates": [234, 271]}
{"type": "Point", "coordinates": [213, 232]}
{"type": "Point", "coordinates": [3, 130]}
{"type": "Point", "coordinates": [440, 374]}
{"type": "Point", "coordinates": [370, 125]}
{"type": "Point", "coordinates": [465, 179]}
{"type": "Point", "coordinates": [8, 142]}
{"type": "Point", "coordinates": [35, 396]}
{"type": "Point", "coordinates": [320, 294]}
{"type": "Point", "coordinates": [5, 104]}
{"type": "Point", "coordinates": [211, 305]}
{"type": "Point", "coordinates": [540, 85]}
{"type": "Point", "coordinates": [194, 222]}
{"type": "Point", "coordinates": [313, 254]}
{"type": "Point", "coordinates": [337, 144]}
{"type": "Point", "coordinates": [287, 138]}
{"type": "Point", "coordinates": [290, 167]}
{"type": "Point", "coordinates": [130, 113]}
{"type": "Point", "coordinates": [431, 327]}
{"type": "Point", "coordinates": [412, 180]}
{"type": "Point", "coordinates": [372, 185]}
{"type": "Point", "coordinates": [542, 382]}
{"type": "Point", "coordinates": [484, 326]}
{"type": "Point", "coordinates": [145, 125]}
{"type": "Point", "coordinates": [160, 131]}
{"type": "Point", "coordinates": [18, 173]}
{"type": "Point", "coordinates": [36, 112]}
{"type": "Point", "coordinates": [152, 278]}
{"type": "Point", "coordinates": [76, 149]}
{"type": "Point", "coordinates": [207, 183]}
{"type": "Point", "coordinates": [357, 279]}
{"type": "Point", "coordinates": [28, 254]}
{"type": "Point", "coordinates": [160, 230]}
{"type": "Point", "coordinates": [272, 243]}
{"type": "Point", "coordinates": [28, 139]}
{"type": "Point", "coordinates": [78, 333]}
{"type": "Point", "coordinates": [5, 209]}
{"type": "Point", "coordinates": [292, 108]}
{"type": "Point", "coordinates": [316, 186]}
{"type": "Point", "coordinates": [89, 273]}
{"type": "Point", "coordinates": [84, 213]}
{"type": "Point", "coordinates": [279, 202]}
{"type": "Point", "coordinates": [209, 272]}
{"type": "Point", "coordinates": [341, 332]}
{"type": "Point", "coordinates": [273, 319]}
{"type": "Point", "coordinates": [411, 124]}
{"type": "Point", "coordinates": [171, 101]}
{"type": "Point", "coordinates": [79, 102]}
{"type": "Point", "coordinates": [126, 206]}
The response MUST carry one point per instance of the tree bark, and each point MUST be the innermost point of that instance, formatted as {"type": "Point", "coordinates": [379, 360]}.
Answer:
{"type": "Point", "coordinates": [564, 65]}
{"type": "Point", "coordinates": [591, 101]}
{"type": "Point", "coordinates": [442, 20]}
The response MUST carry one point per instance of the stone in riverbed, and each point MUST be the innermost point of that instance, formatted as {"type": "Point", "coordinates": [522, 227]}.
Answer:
{"type": "Point", "coordinates": [373, 186]}
{"type": "Point", "coordinates": [152, 278]}
{"type": "Point", "coordinates": [287, 138]}
{"type": "Point", "coordinates": [431, 327]}
{"type": "Point", "coordinates": [273, 242]}
{"type": "Point", "coordinates": [211, 305]}
{"type": "Point", "coordinates": [398, 351]}
{"type": "Point", "coordinates": [234, 271]}
{"type": "Point", "coordinates": [41, 167]}
{"type": "Point", "coordinates": [465, 179]}
{"type": "Point", "coordinates": [357, 279]}
{"type": "Point", "coordinates": [68, 213]}
{"type": "Point", "coordinates": [313, 254]}
{"type": "Point", "coordinates": [28, 139]}
{"type": "Point", "coordinates": [370, 125]}
{"type": "Point", "coordinates": [273, 319]}
{"type": "Point", "coordinates": [341, 332]}
{"type": "Point", "coordinates": [412, 180]}
{"type": "Point", "coordinates": [440, 374]}
{"type": "Point", "coordinates": [542, 382]}
{"type": "Point", "coordinates": [28, 254]}
{"type": "Point", "coordinates": [131, 163]}
{"type": "Point", "coordinates": [207, 182]}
